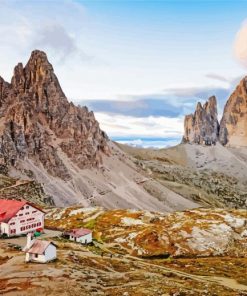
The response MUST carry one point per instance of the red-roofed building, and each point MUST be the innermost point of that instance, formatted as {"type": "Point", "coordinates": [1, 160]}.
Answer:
{"type": "Point", "coordinates": [19, 217]}
{"type": "Point", "coordinates": [80, 235]}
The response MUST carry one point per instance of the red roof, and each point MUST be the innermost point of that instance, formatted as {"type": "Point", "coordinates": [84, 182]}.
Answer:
{"type": "Point", "coordinates": [39, 247]}
{"type": "Point", "coordinates": [9, 208]}
{"type": "Point", "coordinates": [79, 232]}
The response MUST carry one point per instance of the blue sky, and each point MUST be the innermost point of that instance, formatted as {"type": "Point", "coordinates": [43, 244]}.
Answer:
{"type": "Point", "coordinates": [140, 65]}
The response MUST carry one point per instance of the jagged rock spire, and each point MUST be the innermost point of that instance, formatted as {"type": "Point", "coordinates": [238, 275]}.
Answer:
{"type": "Point", "coordinates": [38, 121]}
{"type": "Point", "coordinates": [233, 125]}
{"type": "Point", "coordinates": [202, 126]}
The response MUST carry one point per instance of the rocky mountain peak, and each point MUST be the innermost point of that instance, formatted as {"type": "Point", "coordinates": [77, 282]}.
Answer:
{"type": "Point", "coordinates": [233, 125]}
{"type": "Point", "coordinates": [202, 126]}
{"type": "Point", "coordinates": [39, 123]}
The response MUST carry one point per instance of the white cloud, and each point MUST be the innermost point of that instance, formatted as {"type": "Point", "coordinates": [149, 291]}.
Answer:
{"type": "Point", "coordinates": [217, 77]}
{"type": "Point", "coordinates": [240, 45]}
{"type": "Point", "coordinates": [150, 143]}
{"type": "Point", "coordinates": [127, 126]}
{"type": "Point", "coordinates": [55, 37]}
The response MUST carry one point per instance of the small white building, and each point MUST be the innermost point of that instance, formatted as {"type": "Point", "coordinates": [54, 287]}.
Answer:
{"type": "Point", "coordinates": [19, 217]}
{"type": "Point", "coordinates": [39, 251]}
{"type": "Point", "coordinates": [80, 235]}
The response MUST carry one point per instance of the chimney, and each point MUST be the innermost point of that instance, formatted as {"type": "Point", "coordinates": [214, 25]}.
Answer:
{"type": "Point", "coordinates": [30, 241]}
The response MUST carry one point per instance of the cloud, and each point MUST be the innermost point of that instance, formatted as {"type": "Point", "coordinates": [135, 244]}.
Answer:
{"type": "Point", "coordinates": [240, 45]}
{"type": "Point", "coordinates": [24, 27]}
{"type": "Point", "coordinates": [54, 37]}
{"type": "Point", "coordinates": [172, 102]}
{"type": "Point", "coordinates": [138, 107]}
{"type": "Point", "coordinates": [149, 142]}
{"type": "Point", "coordinates": [117, 125]}
{"type": "Point", "coordinates": [216, 77]}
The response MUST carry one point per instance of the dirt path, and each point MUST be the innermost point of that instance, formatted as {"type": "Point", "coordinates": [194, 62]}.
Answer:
{"type": "Point", "coordinates": [18, 183]}
{"type": "Point", "coordinates": [223, 281]}
{"type": "Point", "coordinates": [227, 282]}
{"type": "Point", "coordinates": [21, 241]}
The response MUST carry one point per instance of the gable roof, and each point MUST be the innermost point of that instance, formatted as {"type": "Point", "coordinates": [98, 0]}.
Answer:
{"type": "Point", "coordinates": [9, 208]}
{"type": "Point", "coordinates": [39, 247]}
{"type": "Point", "coordinates": [79, 232]}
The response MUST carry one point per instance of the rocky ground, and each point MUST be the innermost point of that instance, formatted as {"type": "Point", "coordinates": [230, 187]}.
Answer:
{"type": "Point", "coordinates": [198, 232]}
{"type": "Point", "coordinates": [28, 189]}
{"type": "Point", "coordinates": [112, 265]}
{"type": "Point", "coordinates": [208, 175]}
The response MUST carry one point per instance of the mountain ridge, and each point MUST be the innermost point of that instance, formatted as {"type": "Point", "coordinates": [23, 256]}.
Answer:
{"type": "Point", "coordinates": [202, 127]}
{"type": "Point", "coordinates": [37, 119]}
{"type": "Point", "coordinates": [64, 149]}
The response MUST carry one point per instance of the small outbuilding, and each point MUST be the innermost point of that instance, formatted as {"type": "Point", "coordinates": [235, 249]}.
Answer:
{"type": "Point", "coordinates": [39, 251]}
{"type": "Point", "coordinates": [80, 235]}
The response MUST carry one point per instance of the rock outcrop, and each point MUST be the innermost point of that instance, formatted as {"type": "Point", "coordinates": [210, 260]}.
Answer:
{"type": "Point", "coordinates": [37, 121]}
{"type": "Point", "coordinates": [197, 232]}
{"type": "Point", "coordinates": [233, 126]}
{"type": "Point", "coordinates": [202, 127]}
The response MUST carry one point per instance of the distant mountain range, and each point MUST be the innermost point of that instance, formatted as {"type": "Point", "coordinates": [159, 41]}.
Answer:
{"type": "Point", "coordinates": [203, 127]}
{"type": "Point", "coordinates": [60, 146]}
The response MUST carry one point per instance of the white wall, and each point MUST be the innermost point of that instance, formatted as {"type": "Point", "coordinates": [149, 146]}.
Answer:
{"type": "Point", "coordinates": [83, 239]}
{"type": "Point", "coordinates": [33, 258]}
{"type": "Point", "coordinates": [4, 228]}
{"type": "Point", "coordinates": [50, 254]}
{"type": "Point", "coordinates": [28, 217]}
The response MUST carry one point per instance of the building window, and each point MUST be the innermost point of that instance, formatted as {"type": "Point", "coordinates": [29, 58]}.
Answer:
{"type": "Point", "coordinates": [27, 213]}
{"type": "Point", "coordinates": [13, 231]}
{"type": "Point", "coordinates": [22, 221]}
{"type": "Point", "coordinates": [12, 223]}
{"type": "Point", "coordinates": [34, 212]}
{"type": "Point", "coordinates": [36, 255]}
{"type": "Point", "coordinates": [27, 207]}
{"type": "Point", "coordinates": [20, 215]}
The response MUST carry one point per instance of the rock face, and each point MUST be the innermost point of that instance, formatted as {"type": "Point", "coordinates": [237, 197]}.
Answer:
{"type": "Point", "coordinates": [233, 126]}
{"type": "Point", "coordinates": [37, 121]}
{"type": "Point", "coordinates": [202, 127]}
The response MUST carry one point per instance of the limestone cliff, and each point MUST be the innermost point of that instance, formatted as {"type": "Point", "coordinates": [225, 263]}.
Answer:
{"type": "Point", "coordinates": [202, 126]}
{"type": "Point", "coordinates": [233, 126]}
{"type": "Point", "coordinates": [36, 120]}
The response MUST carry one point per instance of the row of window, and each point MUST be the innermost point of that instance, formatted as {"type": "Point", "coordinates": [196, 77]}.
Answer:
{"type": "Point", "coordinates": [27, 213]}
{"type": "Point", "coordinates": [22, 221]}
{"type": "Point", "coordinates": [30, 226]}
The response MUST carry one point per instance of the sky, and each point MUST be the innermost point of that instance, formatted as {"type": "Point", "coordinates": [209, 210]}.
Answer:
{"type": "Point", "coordinates": [139, 65]}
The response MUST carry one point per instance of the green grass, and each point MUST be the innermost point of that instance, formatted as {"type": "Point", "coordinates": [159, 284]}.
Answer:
{"type": "Point", "coordinates": [90, 224]}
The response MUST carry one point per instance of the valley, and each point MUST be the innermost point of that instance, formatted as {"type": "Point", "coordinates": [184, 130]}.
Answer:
{"type": "Point", "coordinates": [114, 265]}
{"type": "Point", "coordinates": [164, 222]}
